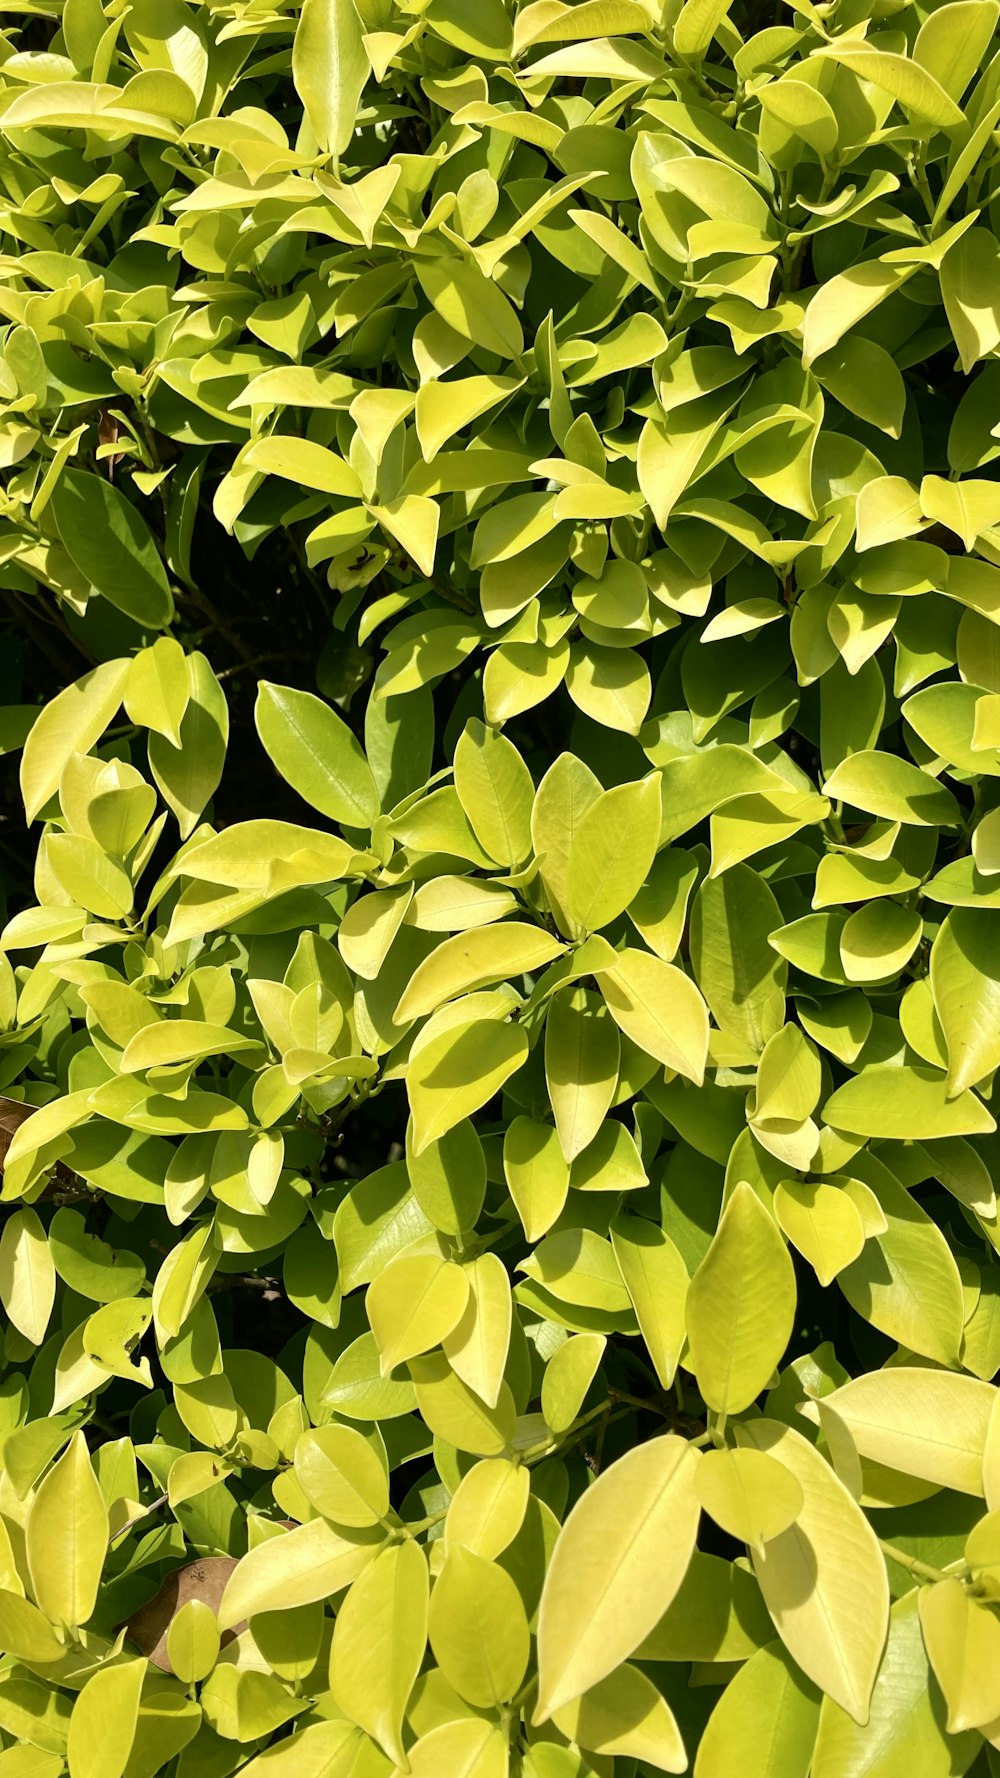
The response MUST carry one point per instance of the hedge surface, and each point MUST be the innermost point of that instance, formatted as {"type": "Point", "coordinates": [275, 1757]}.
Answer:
{"type": "Point", "coordinates": [499, 1002]}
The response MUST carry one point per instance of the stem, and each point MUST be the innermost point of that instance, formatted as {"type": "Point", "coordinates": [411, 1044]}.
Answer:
{"type": "Point", "coordinates": [717, 1430]}
{"type": "Point", "coordinates": [636, 1401]}
{"type": "Point", "coordinates": [537, 1453]}
{"type": "Point", "coordinates": [921, 1570]}
{"type": "Point", "coordinates": [200, 600]}
{"type": "Point", "coordinates": [263, 660]}
{"type": "Point", "coordinates": [918, 176]}
{"type": "Point", "coordinates": [791, 268]}
{"type": "Point", "coordinates": [593, 1459]}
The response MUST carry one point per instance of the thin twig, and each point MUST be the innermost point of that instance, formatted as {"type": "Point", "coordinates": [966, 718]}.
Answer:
{"type": "Point", "coordinates": [130, 1524]}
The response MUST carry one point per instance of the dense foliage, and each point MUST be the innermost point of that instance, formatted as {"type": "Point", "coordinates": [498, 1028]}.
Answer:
{"type": "Point", "coordinates": [500, 991]}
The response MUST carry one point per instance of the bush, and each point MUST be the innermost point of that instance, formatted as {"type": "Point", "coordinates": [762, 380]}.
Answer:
{"type": "Point", "coordinates": [499, 1029]}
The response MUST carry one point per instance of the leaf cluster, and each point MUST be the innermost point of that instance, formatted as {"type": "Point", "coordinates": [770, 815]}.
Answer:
{"type": "Point", "coordinates": [500, 980]}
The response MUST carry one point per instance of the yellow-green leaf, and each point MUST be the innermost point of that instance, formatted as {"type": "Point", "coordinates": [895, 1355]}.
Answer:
{"type": "Point", "coordinates": [625, 1714]}
{"type": "Point", "coordinates": [66, 1537]}
{"type": "Point", "coordinates": [750, 1495]}
{"type": "Point", "coordinates": [834, 1627]}
{"type": "Point", "coordinates": [312, 1561]}
{"type": "Point", "coordinates": [478, 1628]}
{"type": "Point", "coordinates": [619, 1560]}
{"type": "Point", "coordinates": [70, 723]}
{"type": "Point", "coordinates": [102, 1726]}
{"type": "Point", "coordinates": [925, 1422]}
{"type": "Point", "coordinates": [660, 1009]}
{"type": "Point", "coordinates": [27, 1274]}
{"type": "Point", "coordinates": [413, 1304]}
{"type": "Point", "coordinates": [378, 1644]}
{"type": "Point", "coordinates": [330, 67]}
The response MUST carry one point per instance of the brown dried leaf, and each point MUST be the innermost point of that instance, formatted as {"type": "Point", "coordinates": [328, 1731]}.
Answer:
{"type": "Point", "coordinates": [205, 1580]}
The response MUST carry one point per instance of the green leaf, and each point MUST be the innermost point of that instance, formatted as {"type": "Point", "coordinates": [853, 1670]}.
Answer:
{"type": "Point", "coordinates": [611, 854]}
{"type": "Point", "coordinates": [456, 1413]}
{"type": "Point", "coordinates": [466, 1746]}
{"type": "Point", "coordinates": [311, 1561]}
{"type": "Point", "coordinates": [578, 1267]}
{"type": "Point", "coordinates": [316, 753]}
{"type": "Point", "coordinates": [610, 685]}
{"type": "Point", "coordinates": [967, 508]}
{"type": "Point", "coordinates": [488, 1507]}
{"type": "Point", "coordinates": [656, 1279]}
{"type": "Point", "coordinates": [458, 1071]}
{"type": "Point", "coordinates": [342, 1476]}
{"type": "Point", "coordinates": [906, 1281]}
{"type": "Point", "coordinates": [330, 68]}
{"type": "Point", "coordinates": [910, 85]}
{"type": "Point", "coordinates": [27, 1275]}
{"type": "Point", "coordinates": [851, 295]}
{"type": "Point", "coordinates": [495, 789]}
{"type": "Point", "coordinates": [537, 1174]}
{"type": "Point", "coordinates": [449, 1178]}
{"type": "Point", "coordinates": [861, 374]}
{"type": "Point", "coordinates": [470, 304]}
{"type": "Point", "coordinates": [740, 1305]}
{"type": "Point", "coordinates": [625, 1714]}
{"type": "Point", "coordinates": [299, 459]}
{"type": "Point", "coordinates": [329, 1743]}
{"type": "Point", "coordinates": [193, 1641]}
{"type": "Point", "coordinates": [822, 1221]}
{"type": "Point", "coordinates": [414, 1304]}
{"type": "Point", "coordinates": [473, 960]}
{"type": "Point", "coordinates": [377, 1219]}
{"type": "Point", "coordinates": [27, 1633]}
{"type": "Point", "coordinates": [883, 785]}
{"type": "Point", "coordinates": [188, 775]}
{"type": "Point", "coordinates": [907, 1101]}
{"type": "Point", "coordinates": [566, 792]}
{"type": "Point", "coordinates": [966, 989]}
{"type": "Point", "coordinates": [962, 1638]}
{"type": "Point", "coordinates": [582, 1061]}
{"type": "Point", "coordinates": [158, 689]}
{"type": "Point", "coordinates": [477, 1346]}
{"type": "Point", "coordinates": [765, 1721]}
{"type": "Point", "coordinates": [739, 973]}
{"type": "Point", "coordinates": [111, 546]}
{"type": "Point", "coordinates": [952, 42]}
{"type": "Point", "coordinates": [905, 1729]}
{"type": "Point", "coordinates": [968, 282]}
{"type": "Point", "coordinates": [568, 1376]}
{"type": "Point", "coordinates": [749, 1494]}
